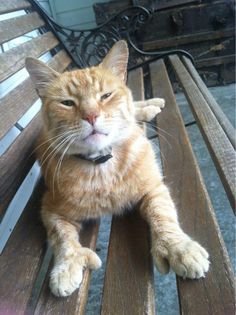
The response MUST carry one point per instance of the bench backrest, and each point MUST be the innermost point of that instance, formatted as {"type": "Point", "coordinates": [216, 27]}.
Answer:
{"type": "Point", "coordinates": [19, 103]}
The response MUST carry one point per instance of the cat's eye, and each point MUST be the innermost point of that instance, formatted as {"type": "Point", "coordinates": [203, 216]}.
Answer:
{"type": "Point", "coordinates": [68, 103]}
{"type": "Point", "coordinates": [104, 96]}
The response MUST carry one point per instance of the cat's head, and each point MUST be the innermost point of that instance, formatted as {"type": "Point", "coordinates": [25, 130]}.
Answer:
{"type": "Point", "coordinates": [86, 110]}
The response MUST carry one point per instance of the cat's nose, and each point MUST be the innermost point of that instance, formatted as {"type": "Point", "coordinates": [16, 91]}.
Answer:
{"type": "Point", "coordinates": [91, 118]}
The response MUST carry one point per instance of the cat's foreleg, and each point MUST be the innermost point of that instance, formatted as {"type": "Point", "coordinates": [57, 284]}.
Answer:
{"type": "Point", "coordinates": [70, 258]}
{"type": "Point", "coordinates": [146, 110]}
{"type": "Point", "coordinates": [170, 245]}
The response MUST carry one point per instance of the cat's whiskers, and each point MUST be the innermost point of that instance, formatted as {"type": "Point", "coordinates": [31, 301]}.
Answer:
{"type": "Point", "coordinates": [53, 144]}
{"type": "Point", "coordinates": [60, 160]}
{"type": "Point", "coordinates": [151, 128]}
{"type": "Point", "coordinates": [52, 138]}
{"type": "Point", "coordinates": [55, 151]}
{"type": "Point", "coordinates": [55, 148]}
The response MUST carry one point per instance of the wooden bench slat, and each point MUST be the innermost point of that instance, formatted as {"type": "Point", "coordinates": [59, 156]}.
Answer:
{"type": "Point", "coordinates": [221, 149]}
{"type": "Point", "coordinates": [16, 162]}
{"type": "Point", "coordinates": [186, 39]}
{"type": "Point", "coordinates": [128, 286]}
{"type": "Point", "coordinates": [221, 117]}
{"type": "Point", "coordinates": [18, 26]}
{"type": "Point", "coordinates": [215, 61]}
{"type": "Point", "coordinates": [14, 59]}
{"type": "Point", "coordinates": [7, 6]}
{"type": "Point", "coordinates": [19, 100]}
{"type": "Point", "coordinates": [21, 259]}
{"type": "Point", "coordinates": [215, 293]}
{"type": "Point", "coordinates": [74, 304]}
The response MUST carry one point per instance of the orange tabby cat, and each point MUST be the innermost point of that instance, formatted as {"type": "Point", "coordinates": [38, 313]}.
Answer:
{"type": "Point", "coordinates": [96, 160]}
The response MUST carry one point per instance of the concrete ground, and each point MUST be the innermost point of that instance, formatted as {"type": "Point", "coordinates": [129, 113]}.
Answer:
{"type": "Point", "coordinates": [166, 293]}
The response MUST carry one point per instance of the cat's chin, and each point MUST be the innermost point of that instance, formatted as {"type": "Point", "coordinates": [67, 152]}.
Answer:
{"type": "Point", "coordinates": [96, 141]}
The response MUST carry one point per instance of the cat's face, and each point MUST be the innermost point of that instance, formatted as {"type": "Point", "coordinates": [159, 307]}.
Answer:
{"type": "Point", "coordinates": [86, 110]}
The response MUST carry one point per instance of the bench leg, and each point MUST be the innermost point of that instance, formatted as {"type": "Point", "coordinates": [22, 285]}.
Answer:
{"type": "Point", "coordinates": [70, 258]}
{"type": "Point", "coordinates": [170, 245]}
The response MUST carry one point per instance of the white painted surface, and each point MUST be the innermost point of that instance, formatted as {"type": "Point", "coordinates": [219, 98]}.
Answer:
{"type": "Point", "coordinates": [18, 204]}
{"type": "Point", "coordinates": [78, 14]}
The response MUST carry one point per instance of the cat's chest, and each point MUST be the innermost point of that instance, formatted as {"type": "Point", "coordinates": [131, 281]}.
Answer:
{"type": "Point", "coordinates": [102, 191]}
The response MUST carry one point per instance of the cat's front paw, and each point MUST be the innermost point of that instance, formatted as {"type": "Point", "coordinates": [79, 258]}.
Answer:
{"type": "Point", "coordinates": [157, 102]}
{"type": "Point", "coordinates": [149, 112]}
{"type": "Point", "coordinates": [65, 278]}
{"type": "Point", "coordinates": [67, 274]}
{"type": "Point", "coordinates": [189, 259]}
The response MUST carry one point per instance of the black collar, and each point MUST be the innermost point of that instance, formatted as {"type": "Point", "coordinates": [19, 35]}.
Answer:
{"type": "Point", "coordinates": [99, 159]}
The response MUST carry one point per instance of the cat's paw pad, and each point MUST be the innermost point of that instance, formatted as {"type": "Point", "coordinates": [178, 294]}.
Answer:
{"type": "Point", "coordinates": [157, 102]}
{"type": "Point", "coordinates": [66, 278]}
{"type": "Point", "coordinates": [149, 112]}
{"type": "Point", "coordinates": [189, 259]}
{"type": "Point", "coordinates": [67, 275]}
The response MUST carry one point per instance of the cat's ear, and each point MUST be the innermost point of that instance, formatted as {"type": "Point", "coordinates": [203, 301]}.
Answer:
{"type": "Point", "coordinates": [40, 74]}
{"type": "Point", "coordinates": [117, 59]}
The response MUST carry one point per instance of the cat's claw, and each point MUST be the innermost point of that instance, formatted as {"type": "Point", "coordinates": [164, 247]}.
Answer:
{"type": "Point", "coordinates": [67, 276]}
{"type": "Point", "coordinates": [188, 259]}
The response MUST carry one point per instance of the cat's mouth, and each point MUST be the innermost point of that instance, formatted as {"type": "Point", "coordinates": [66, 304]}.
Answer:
{"type": "Point", "coordinates": [95, 135]}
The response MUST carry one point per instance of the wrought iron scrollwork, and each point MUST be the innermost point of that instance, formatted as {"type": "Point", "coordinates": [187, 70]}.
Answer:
{"type": "Point", "coordinates": [89, 47]}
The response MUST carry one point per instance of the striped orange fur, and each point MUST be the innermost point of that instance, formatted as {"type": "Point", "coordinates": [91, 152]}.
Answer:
{"type": "Point", "coordinates": [85, 112]}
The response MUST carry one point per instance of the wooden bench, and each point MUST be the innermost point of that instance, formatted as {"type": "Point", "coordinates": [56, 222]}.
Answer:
{"type": "Point", "coordinates": [25, 260]}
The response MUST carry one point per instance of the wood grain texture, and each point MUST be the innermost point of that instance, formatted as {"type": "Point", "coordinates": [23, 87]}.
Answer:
{"type": "Point", "coordinates": [128, 286]}
{"type": "Point", "coordinates": [215, 61]}
{"type": "Point", "coordinates": [19, 100]}
{"type": "Point", "coordinates": [189, 38]}
{"type": "Point", "coordinates": [18, 26]}
{"type": "Point", "coordinates": [21, 259]}
{"type": "Point", "coordinates": [215, 293]}
{"type": "Point", "coordinates": [221, 117]}
{"type": "Point", "coordinates": [74, 304]}
{"type": "Point", "coordinates": [16, 162]}
{"type": "Point", "coordinates": [7, 6]}
{"type": "Point", "coordinates": [221, 149]}
{"type": "Point", "coordinates": [136, 84]}
{"type": "Point", "coordinates": [14, 59]}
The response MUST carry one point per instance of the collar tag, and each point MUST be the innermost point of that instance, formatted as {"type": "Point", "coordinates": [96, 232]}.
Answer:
{"type": "Point", "coordinates": [102, 158]}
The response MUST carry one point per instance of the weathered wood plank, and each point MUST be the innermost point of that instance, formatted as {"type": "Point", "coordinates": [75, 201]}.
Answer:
{"type": "Point", "coordinates": [221, 149]}
{"type": "Point", "coordinates": [214, 61]}
{"type": "Point", "coordinates": [7, 6]}
{"type": "Point", "coordinates": [19, 100]}
{"type": "Point", "coordinates": [135, 83]}
{"type": "Point", "coordinates": [74, 304]}
{"type": "Point", "coordinates": [128, 286]}
{"type": "Point", "coordinates": [16, 162]}
{"type": "Point", "coordinates": [215, 293]}
{"type": "Point", "coordinates": [186, 39]}
{"type": "Point", "coordinates": [221, 117]}
{"type": "Point", "coordinates": [21, 259]}
{"type": "Point", "coordinates": [18, 26]}
{"type": "Point", "coordinates": [14, 59]}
